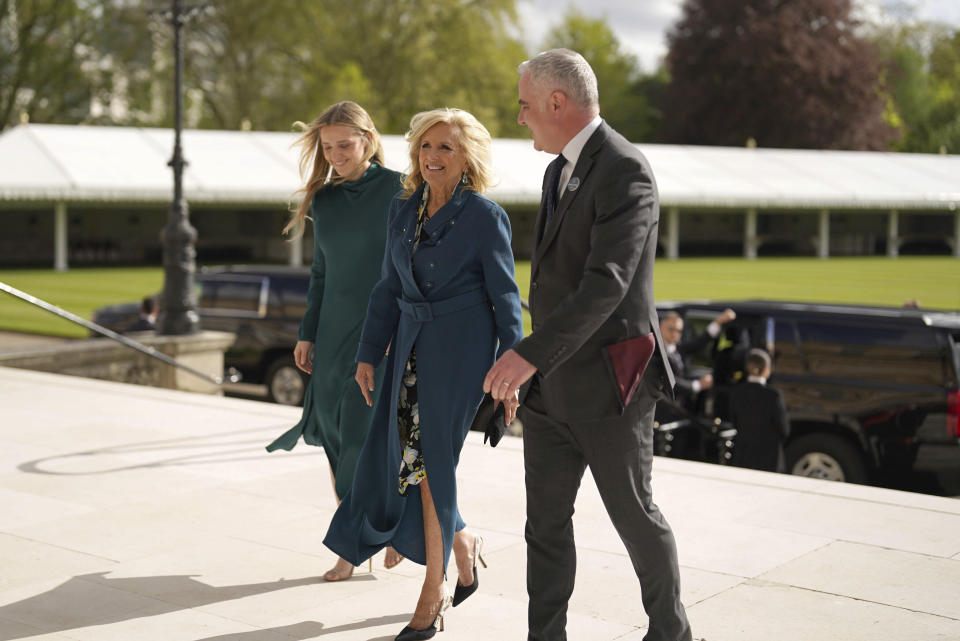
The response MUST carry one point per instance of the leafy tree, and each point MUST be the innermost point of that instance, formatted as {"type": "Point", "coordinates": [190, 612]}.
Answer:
{"type": "Point", "coordinates": [44, 45]}
{"type": "Point", "coordinates": [256, 64]}
{"type": "Point", "coordinates": [945, 81]}
{"type": "Point", "coordinates": [786, 74]}
{"type": "Point", "coordinates": [623, 88]}
{"type": "Point", "coordinates": [423, 54]}
{"type": "Point", "coordinates": [132, 80]}
{"type": "Point", "coordinates": [651, 88]}
{"type": "Point", "coordinates": [245, 62]}
{"type": "Point", "coordinates": [268, 64]}
{"type": "Point", "coordinates": [923, 75]}
{"type": "Point", "coordinates": [907, 79]}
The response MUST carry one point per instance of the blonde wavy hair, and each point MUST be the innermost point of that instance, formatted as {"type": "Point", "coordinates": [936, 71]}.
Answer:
{"type": "Point", "coordinates": [315, 171]}
{"type": "Point", "coordinates": [474, 141]}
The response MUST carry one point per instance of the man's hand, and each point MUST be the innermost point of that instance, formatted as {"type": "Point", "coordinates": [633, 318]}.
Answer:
{"type": "Point", "coordinates": [364, 378]}
{"type": "Point", "coordinates": [303, 356]}
{"type": "Point", "coordinates": [510, 408]}
{"type": "Point", "coordinates": [507, 375]}
{"type": "Point", "coordinates": [725, 317]}
{"type": "Point", "coordinates": [706, 381]}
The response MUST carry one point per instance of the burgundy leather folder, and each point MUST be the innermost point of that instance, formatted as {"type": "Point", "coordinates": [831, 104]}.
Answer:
{"type": "Point", "coordinates": [629, 360]}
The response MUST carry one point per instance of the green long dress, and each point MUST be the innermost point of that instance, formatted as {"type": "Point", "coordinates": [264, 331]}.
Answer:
{"type": "Point", "coordinates": [349, 232]}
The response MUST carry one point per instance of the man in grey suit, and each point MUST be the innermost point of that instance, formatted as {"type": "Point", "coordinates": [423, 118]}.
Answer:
{"type": "Point", "coordinates": [591, 285]}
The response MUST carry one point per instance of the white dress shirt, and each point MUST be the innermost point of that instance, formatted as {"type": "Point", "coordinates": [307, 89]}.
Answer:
{"type": "Point", "coordinates": [572, 152]}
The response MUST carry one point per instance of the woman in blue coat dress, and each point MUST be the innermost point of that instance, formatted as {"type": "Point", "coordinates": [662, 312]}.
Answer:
{"type": "Point", "coordinates": [445, 307]}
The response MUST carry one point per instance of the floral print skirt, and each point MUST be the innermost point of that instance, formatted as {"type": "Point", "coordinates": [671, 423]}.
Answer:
{"type": "Point", "coordinates": [408, 422]}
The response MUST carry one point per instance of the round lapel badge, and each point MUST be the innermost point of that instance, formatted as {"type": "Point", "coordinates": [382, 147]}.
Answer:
{"type": "Point", "coordinates": [573, 184]}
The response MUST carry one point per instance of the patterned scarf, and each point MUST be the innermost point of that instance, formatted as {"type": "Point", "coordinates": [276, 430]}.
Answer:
{"type": "Point", "coordinates": [421, 215]}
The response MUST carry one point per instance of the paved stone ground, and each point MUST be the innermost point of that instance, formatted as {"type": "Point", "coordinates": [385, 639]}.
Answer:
{"type": "Point", "coordinates": [137, 513]}
{"type": "Point", "coordinates": [15, 342]}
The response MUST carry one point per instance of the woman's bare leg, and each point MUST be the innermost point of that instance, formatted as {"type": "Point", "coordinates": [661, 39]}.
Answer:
{"type": "Point", "coordinates": [463, 551]}
{"type": "Point", "coordinates": [432, 593]}
{"type": "Point", "coordinates": [343, 569]}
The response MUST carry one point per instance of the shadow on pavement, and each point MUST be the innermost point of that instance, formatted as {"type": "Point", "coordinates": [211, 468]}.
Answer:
{"type": "Point", "coordinates": [216, 448]}
{"type": "Point", "coordinates": [312, 629]}
{"type": "Point", "coordinates": [96, 599]}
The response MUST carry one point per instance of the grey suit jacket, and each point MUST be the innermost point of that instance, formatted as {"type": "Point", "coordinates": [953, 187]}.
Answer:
{"type": "Point", "coordinates": [591, 280]}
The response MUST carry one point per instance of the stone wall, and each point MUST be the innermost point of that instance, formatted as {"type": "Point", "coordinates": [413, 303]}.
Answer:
{"type": "Point", "coordinates": [106, 359]}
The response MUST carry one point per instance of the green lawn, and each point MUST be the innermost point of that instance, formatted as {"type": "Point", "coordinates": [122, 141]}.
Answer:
{"type": "Point", "coordinates": [80, 291]}
{"type": "Point", "coordinates": [933, 281]}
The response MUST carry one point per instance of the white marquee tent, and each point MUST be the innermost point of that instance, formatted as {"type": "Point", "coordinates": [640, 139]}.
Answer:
{"type": "Point", "coordinates": [60, 165]}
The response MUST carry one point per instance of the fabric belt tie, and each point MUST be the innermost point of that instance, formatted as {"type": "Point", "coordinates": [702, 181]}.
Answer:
{"type": "Point", "coordinates": [427, 311]}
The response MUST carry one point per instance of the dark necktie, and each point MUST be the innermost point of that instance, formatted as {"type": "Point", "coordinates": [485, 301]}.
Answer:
{"type": "Point", "coordinates": [676, 362]}
{"type": "Point", "coordinates": [550, 198]}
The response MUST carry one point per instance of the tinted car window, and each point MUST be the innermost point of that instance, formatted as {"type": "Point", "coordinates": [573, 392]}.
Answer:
{"type": "Point", "coordinates": [293, 295]}
{"type": "Point", "coordinates": [784, 332]}
{"type": "Point", "coordinates": [695, 324]}
{"type": "Point", "coordinates": [867, 334]}
{"type": "Point", "coordinates": [230, 295]}
{"type": "Point", "coordinates": [872, 352]}
{"type": "Point", "coordinates": [953, 347]}
{"type": "Point", "coordinates": [787, 357]}
{"type": "Point", "coordinates": [274, 302]}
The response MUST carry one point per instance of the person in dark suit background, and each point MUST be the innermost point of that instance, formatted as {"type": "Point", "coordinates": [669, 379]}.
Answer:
{"type": "Point", "coordinates": [679, 353]}
{"type": "Point", "coordinates": [591, 285]}
{"type": "Point", "coordinates": [759, 415]}
{"type": "Point", "coordinates": [147, 321]}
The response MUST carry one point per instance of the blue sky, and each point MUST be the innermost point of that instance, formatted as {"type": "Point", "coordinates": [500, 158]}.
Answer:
{"type": "Point", "coordinates": [641, 25]}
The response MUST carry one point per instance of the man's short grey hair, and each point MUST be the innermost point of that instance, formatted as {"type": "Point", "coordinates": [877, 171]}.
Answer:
{"type": "Point", "coordinates": [565, 70]}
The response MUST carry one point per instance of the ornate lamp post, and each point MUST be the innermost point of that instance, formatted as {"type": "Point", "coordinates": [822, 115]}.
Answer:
{"type": "Point", "coordinates": [178, 310]}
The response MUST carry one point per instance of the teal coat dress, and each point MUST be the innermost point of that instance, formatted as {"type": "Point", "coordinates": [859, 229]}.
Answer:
{"type": "Point", "coordinates": [348, 240]}
{"type": "Point", "coordinates": [456, 301]}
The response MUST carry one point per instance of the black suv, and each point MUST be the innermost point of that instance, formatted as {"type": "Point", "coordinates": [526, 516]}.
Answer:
{"type": "Point", "coordinates": [871, 392]}
{"type": "Point", "coordinates": [263, 306]}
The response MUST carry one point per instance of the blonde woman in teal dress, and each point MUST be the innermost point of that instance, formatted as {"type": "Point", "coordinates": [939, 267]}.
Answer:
{"type": "Point", "coordinates": [346, 196]}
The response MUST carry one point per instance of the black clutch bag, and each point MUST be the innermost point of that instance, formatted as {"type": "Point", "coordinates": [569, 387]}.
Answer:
{"type": "Point", "coordinates": [490, 421]}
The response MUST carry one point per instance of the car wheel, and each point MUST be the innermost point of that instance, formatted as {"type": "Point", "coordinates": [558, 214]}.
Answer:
{"type": "Point", "coordinates": [285, 383]}
{"type": "Point", "coordinates": [826, 456]}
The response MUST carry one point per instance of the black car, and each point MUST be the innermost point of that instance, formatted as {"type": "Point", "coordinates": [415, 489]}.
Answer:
{"type": "Point", "coordinates": [871, 392]}
{"type": "Point", "coordinates": [263, 306]}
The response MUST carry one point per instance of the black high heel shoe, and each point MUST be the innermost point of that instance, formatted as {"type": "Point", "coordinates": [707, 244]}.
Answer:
{"type": "Point", "coordinates": [412, 634]}
{"type": "Point", "coordinates": [463, 591]}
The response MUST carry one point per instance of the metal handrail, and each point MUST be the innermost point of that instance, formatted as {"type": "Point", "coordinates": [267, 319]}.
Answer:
{"type": "Point", "coordinates": [233, 377]}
